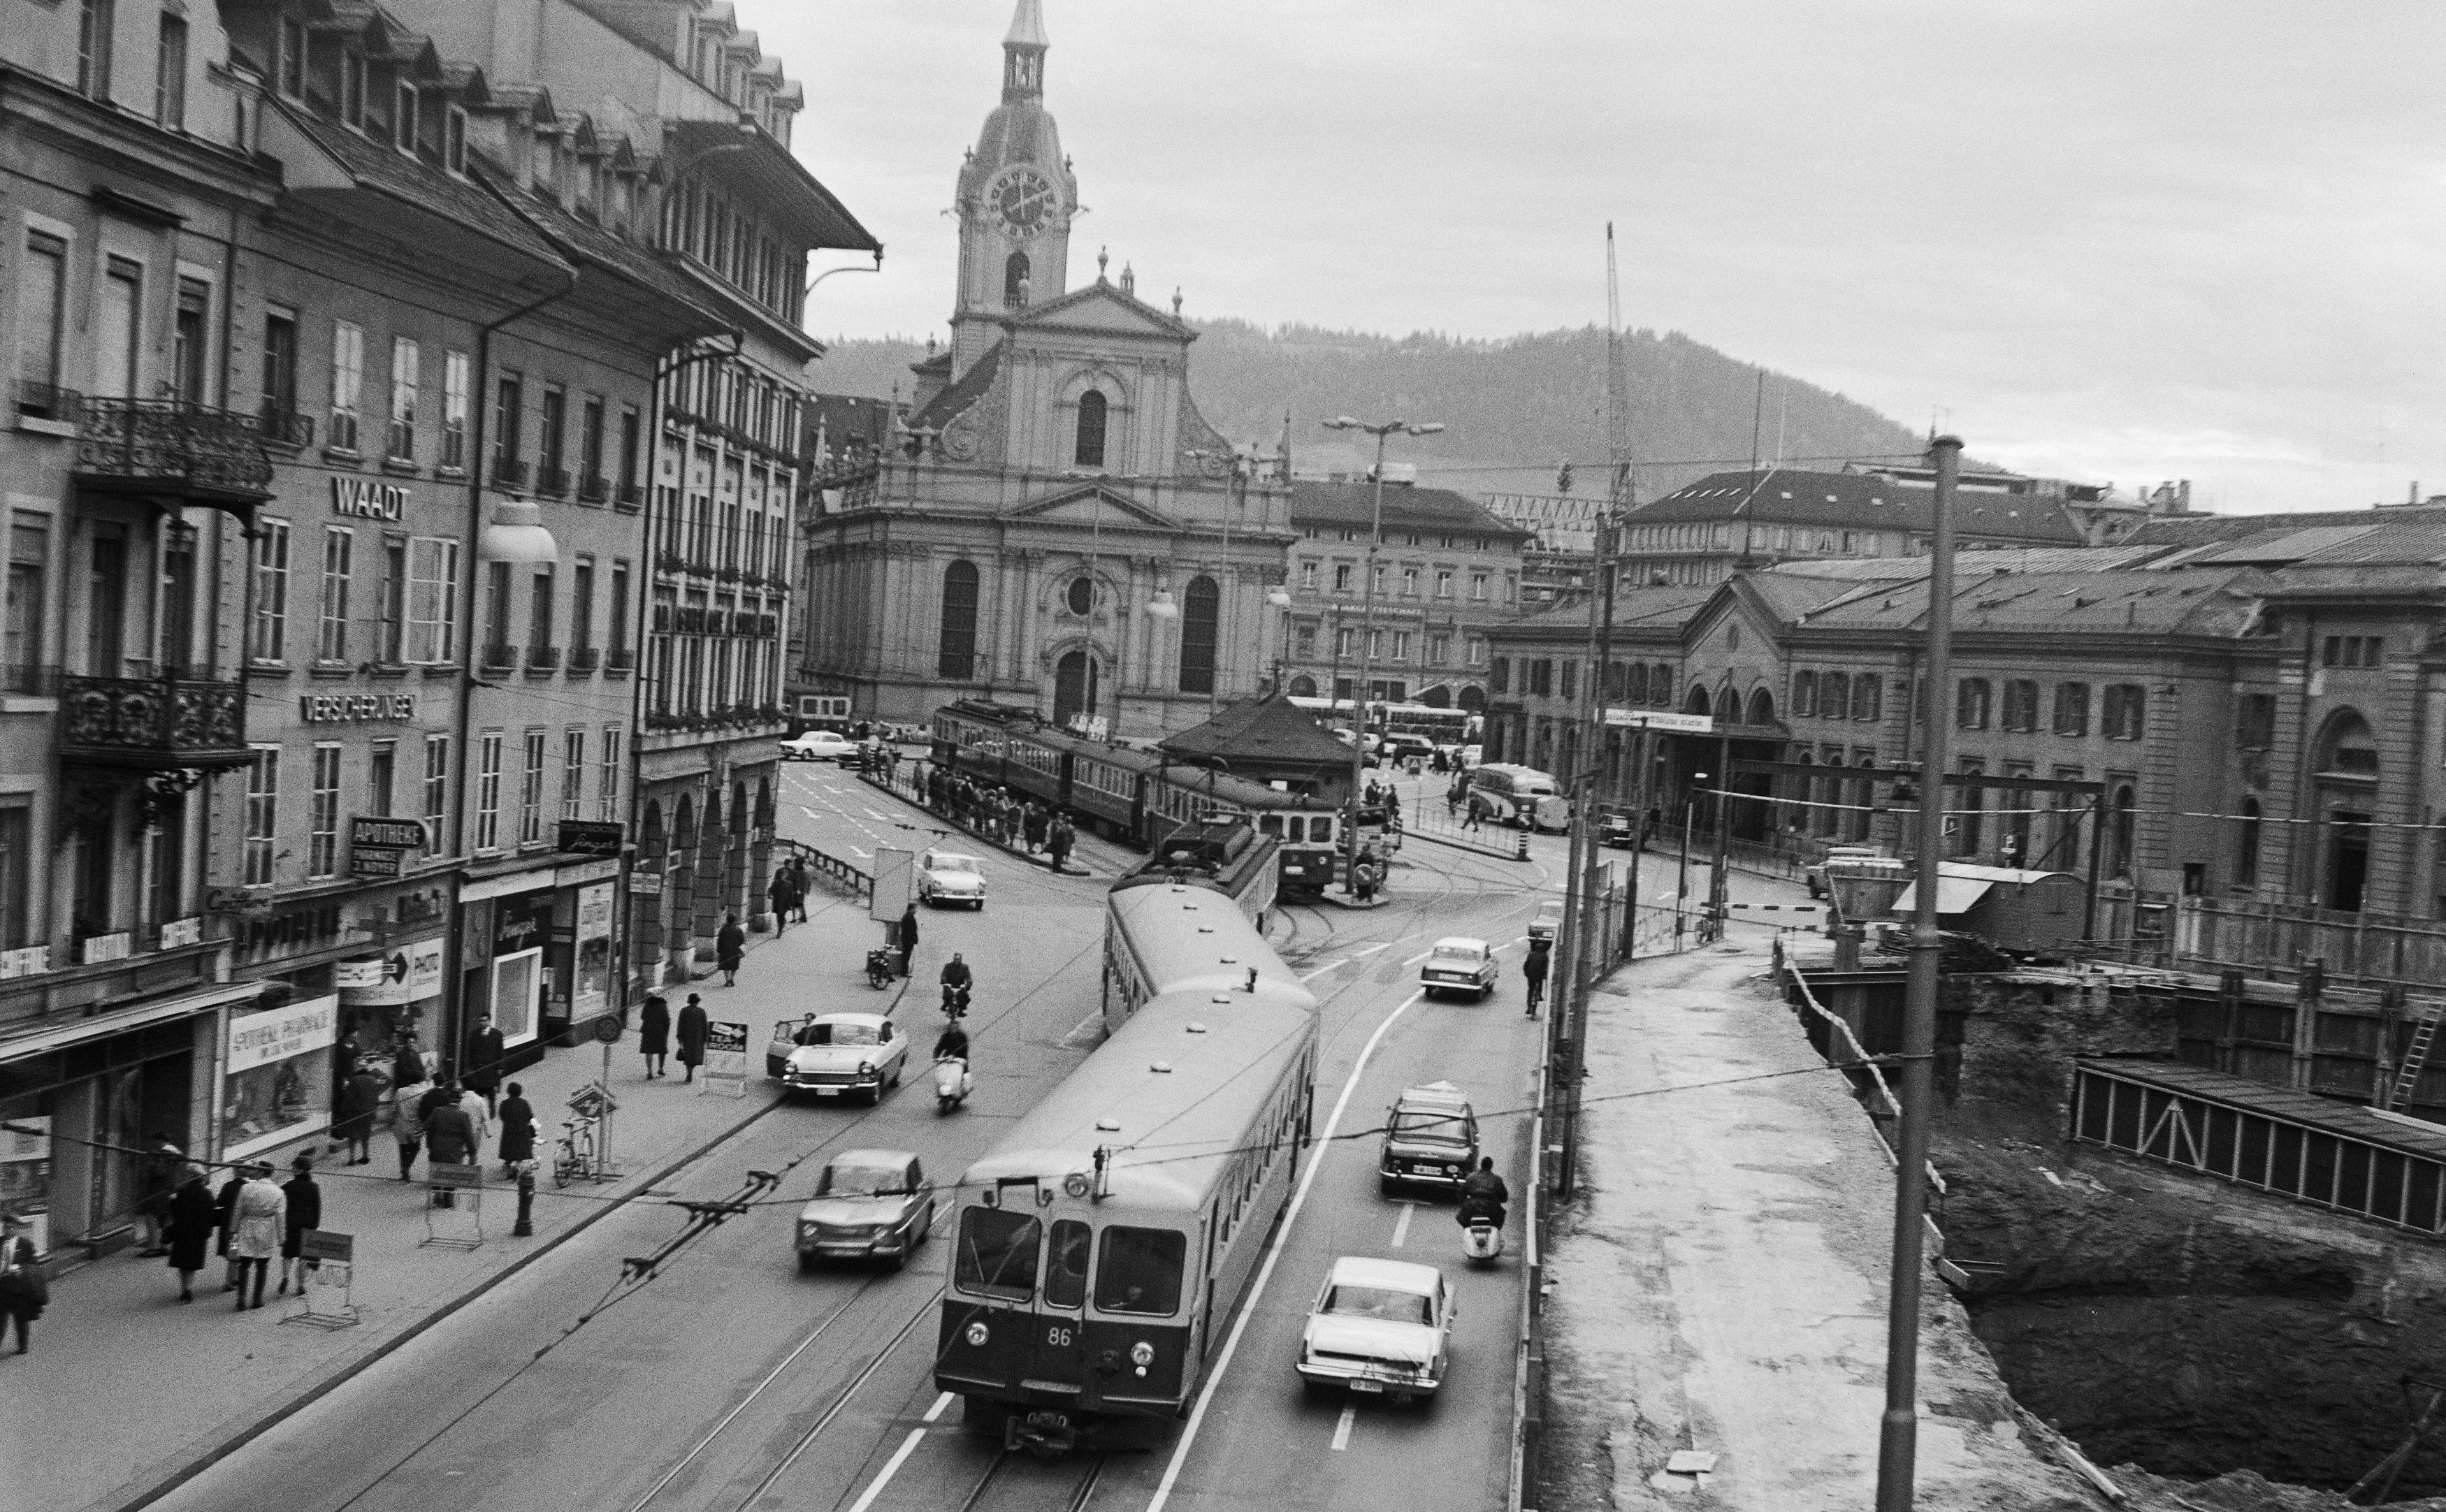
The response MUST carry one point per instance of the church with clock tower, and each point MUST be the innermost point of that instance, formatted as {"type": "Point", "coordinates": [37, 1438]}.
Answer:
{"type": "Point", "coordinates": [1052, 524]}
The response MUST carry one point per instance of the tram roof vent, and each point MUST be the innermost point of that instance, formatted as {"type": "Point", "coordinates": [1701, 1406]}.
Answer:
{"type": "Point", "coordinates": [1161, 1067]}
{"type": "Point", "coordinates": [1195, 1028]}
{"type": "Point", "coordinates": [1222, 996]}
{"type": "Point", "coordinates": [1110, 1125]}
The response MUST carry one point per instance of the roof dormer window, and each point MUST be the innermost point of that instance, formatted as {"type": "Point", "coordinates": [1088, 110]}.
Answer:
{"type": "Point", "coordinates": [403, 119]}
{"type": "Point", "coordinates": [454, 141]}
{"type": "Point", "coordinates": [291, 64]}
{"type": "Point", "coordinates": [352, 89]}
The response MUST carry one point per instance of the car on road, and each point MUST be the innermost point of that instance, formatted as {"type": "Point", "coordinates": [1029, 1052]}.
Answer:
{"type": "Point", "coordinates": [847, 1054]}
{"type": "Point", "coordinates": [1399, 747]}
{"type": "Point", "coordinates": [950, 877]}
{"type": "Point", "coordinates": [1459, 965]}
{"type": "Point", "coordinates": [1379, 1327]}
{"type": "Point", "coordinates": [1838, 858]}
{"type": "Point", "coordinates": [869, 1205]}
{"type": "Point", "coordinates": [1430, 1140]}
{"type": "Point", "coordinates": [819, 745]}
{"type": "Point", "coordinates": [1547, 921]}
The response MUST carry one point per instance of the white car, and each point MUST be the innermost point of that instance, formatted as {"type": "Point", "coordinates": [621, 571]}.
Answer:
{"type": "Point", "coordinates": [819, 745]}
{"type": "Point", "coordinates": [837, 1056]}
{"type": "Point", "coordinates": [1459, 965]}
{"type": "Point", "coordinates": [1378, 1329]}
{"type": "Point", "coordinates": [948, 877]}
{"type": "Point", "coordinates": [869, 1203]}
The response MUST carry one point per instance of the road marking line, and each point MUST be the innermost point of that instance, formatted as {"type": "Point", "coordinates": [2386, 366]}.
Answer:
{"type": "Point", "coordinates": [891, 1468]}
{"type": "Point", "coordinates": [1327, 966]}
{"type": "Point", "coordinates": [935, 1412]}
{"type": "Point", "coordinates": [809, 812]}
{"type": "Point", "coordinates": [1341, 1430]}
{"type": "Point", "coordinates": [1421, 955]}
{"type": "Point", "coordinates": [1371, 950]}
{"type": "Point", "coordinates": [1402, 1227]}
{"type": "Point", "coordinates": [879, 818]}
{"type": "Point", "coordinates": [1256, 1288]}
{"type": "Point", "coordinates": [861, 854]}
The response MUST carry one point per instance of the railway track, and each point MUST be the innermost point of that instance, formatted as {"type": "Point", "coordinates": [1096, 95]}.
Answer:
{"type": "Point", "coordinates": [1012, 1483]}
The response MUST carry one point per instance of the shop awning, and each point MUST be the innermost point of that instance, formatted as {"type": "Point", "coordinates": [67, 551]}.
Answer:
{"type": "Point", "coordinates": [1953, 894]}
{"type": "Point", "coordinates": [128, 1019]}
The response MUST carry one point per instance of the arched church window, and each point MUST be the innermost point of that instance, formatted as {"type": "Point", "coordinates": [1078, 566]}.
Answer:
{"type": "Point", "coordinates": [1201, 619]}
{"type": "Point", "coordinates": [1303, 686]}
{"type": "Point", "coordinates": [1014, 282]}
{"type": "Point", "coordinates": [1082, 595]}
{"type": "Point", "coordinates": [957, 659]}
{"type": "Point", "coordinates": [1090, 450]}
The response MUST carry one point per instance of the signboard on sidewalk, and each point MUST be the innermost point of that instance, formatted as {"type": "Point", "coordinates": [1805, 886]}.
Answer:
{"type": "Point", "coordinates": [725, 1059]}
{"type": "Point", "coordinates": [896, 879]}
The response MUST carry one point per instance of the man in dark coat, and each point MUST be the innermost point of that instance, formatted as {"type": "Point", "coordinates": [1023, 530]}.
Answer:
{"type": "Point", "coordinates": [225, 1223]}
{"type": "Point", "coordinates": [162, 1171]}
{"type": "Point", "coordinates": [654, 1036]}
{"type": "Point", "coordinates": [353, 1114]}
{"type": "Point", "coordinates": [729, 949]}
{"type": "Point", "coordinates": [193, 1217]}
{"type": "Point", "coordinates": [481, 1068]}
{"type": "Point", "coordinates": [777, 894]}
{"type": "Point", "coordinates": [1058, 840]}
{"type": "Point", "coordinates": [449, 1133]}
{"type": "Point", "coordinates": [692, 1032]}
{"type": "Point", "coordinates": [1035, 828]}
{"type": "Point", "coordinates": [25, 1291]}
{"type": "Point", "coordinates": [517, 1130]}
{"type": "Point", "coordinates": [907, 940]}
{"type": "Point", "coordinates": [305, 1212]}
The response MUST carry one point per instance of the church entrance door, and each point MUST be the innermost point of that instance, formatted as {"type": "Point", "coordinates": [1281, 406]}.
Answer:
{"type": "Point", "coordinates": [1074, 688]}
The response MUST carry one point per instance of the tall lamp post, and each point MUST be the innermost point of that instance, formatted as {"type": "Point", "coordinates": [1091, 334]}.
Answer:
{"type": "Point", "coordinates": [1381, 430]}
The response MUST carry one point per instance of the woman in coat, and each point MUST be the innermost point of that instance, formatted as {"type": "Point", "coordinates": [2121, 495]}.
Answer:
{"type": "Point", "coordinates": [225, 1221]}
{"type": "Point", "coordinates": [730, 948]}
{"type": "Point", "coordinates": [654, 1036]}
{"type": "Point", "coordinates": [408, 1127]}
{"type": "Point", "coordinates": [259, 1220]}
{"type": "Point", "coordinates": [305, 1211]}
{"type": "Point", "coordinates": [518, 1128]}
{"type": "Point", "coordinates": [359, 1096]}
{"type": "Point", "coordinates": [692, 1031]}
{"type": "Point", "coordinates": [25, 1291]}
{"type": "Point", "coordinates": [193, 1217]}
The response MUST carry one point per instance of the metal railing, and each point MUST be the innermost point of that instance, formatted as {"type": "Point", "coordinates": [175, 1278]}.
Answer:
{"type": "Point", "coordinates": [851, 880]}
{"type": "Point", "coordinates": [48, 401]}
{"type": "Point", "coordinates": [285, 427]}
{"type": "Point", "coordinates": [181, 722]}
{"type": "Point", "coordinates": [508, 472]}
{"type": "Point", "coordinates": [585, 659]}
{"type": "Point", "coordinates": [542, 658]}
{"type": "Point", "coordinates": [595, 488]}
{"type": "Point", "coordinates": [168, 440]}
{"type": "Point", "coordinates": [552, 480]}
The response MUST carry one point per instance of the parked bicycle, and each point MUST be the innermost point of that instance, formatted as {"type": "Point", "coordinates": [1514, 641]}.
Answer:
{"type": "Point", "coordinates": [580, 1154]}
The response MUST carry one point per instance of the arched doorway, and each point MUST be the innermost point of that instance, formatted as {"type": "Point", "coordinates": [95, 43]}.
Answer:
{"type": "Point", "coordinates": [1473, 698]}
{"type": "Point", "coordinates": [1439, 697]}
{"type": "Point", "coordinates": [759, 848]}
{"type": "Point", "coordinates": [2346, 773]}
{"type": "Point", "coordinates": [704, 919]}
{"type": "Point", "coordinates": [1074, 687]}
{"type": "Point", "coordinates": [680, 905]}
{"type": "Point", "coordinates": [1761, 708]}
{"type": "Point", "coordinates": [735, 891]}
{"type": "Point", "coordinates": [1303, 686]}
{"type": "Point", "coordinates": [652, 852]}
{"type": "Point", "coordinates": [1699, 702]}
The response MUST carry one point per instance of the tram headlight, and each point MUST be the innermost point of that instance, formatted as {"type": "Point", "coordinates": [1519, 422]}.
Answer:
{"type": "Point", "coordinates": [977, 1335]}
{"type": "Point", "coordinates": [1141, 1353]}
{"type": "Point", "coordinates": [1077, 1183]}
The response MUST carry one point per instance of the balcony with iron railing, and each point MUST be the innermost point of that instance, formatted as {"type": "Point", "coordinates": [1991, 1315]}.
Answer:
{"type": "Point", "coordinates": [585, 659]}
{"type": "Point", "coordinates": [500, 657]}
{"type": "Point", "coordinates": [542, 658]}
{"type": "Point", "coordinates": [48, 401]}
{"type": "Point", "coordinates": [159, 445]}
{"type": "Point", "coordinates": [508, 472]}
{"type": "Point", "coordinates": [156, 723]}
{"type": "Point", "coordinates": [553, 481]}
{"type": "Point", "coordinates": [285, 428]}
{"type": "Point", "coordinates": [593, 488]}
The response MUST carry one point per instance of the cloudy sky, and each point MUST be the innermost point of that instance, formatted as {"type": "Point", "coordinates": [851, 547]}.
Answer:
{"type": "Point", "coordinates": [2185, 238]}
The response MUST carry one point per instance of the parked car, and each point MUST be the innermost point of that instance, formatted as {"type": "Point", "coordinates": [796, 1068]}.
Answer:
{"type": "Point", "coordinates": [949, 877]}
{"type": "Point", "coordinates": [1379, 1327]}
{"type": "Point", "coordinates": [1547, 921]}
{"type": "Point", "coordinates": [1430, 1140]}
{"type": "Point", "coordinates": [869, 1203]}
{"type": "Point", "coordinates": [1399, 747]}
{"type": "Point", "coordinates": [1459, 965]}
{"type": "Point", "coordinates": [819, 745]}
{"type": "Point", "coordinates": [837, 1056]}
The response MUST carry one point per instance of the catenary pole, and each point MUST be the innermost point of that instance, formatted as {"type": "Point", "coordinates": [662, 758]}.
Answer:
{"type": "Point", "coordinates": [1899, 1431]}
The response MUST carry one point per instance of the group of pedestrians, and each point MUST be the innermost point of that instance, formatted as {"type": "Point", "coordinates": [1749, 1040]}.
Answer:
{"type": "Point", "coordinates": [654, 1035]}
{"type": "Point", "coordinates": [247, 1225]}
{"type": "Point", "coordinates": [1001, 815]}
{"type": "Point", "coordinates": [787, 893]}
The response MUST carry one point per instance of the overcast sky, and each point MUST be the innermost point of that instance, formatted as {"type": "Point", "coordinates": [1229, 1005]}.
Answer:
{"type": "Point", "coordinates": [2103, 240]}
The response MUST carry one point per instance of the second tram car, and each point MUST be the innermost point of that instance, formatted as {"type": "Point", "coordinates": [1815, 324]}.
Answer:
{"type": "Point", "coordinates": [1100, 1249]}
{"type": "Point", "coordinates": [1225, 855]}
{"type": "Point", "coordinates": [1138, 796]}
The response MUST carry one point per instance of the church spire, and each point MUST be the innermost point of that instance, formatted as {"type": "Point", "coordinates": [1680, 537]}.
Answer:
{"type": "Point", "coordinates": [1023, 54]}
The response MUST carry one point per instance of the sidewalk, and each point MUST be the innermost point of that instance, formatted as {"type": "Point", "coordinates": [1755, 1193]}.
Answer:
{"type": "Point", "coordinates": [127, 1390]}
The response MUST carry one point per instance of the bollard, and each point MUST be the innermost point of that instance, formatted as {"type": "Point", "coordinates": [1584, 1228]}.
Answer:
{"type": "Point", "coordinates": [1523, 854]}
{"type": "Point", "coordinates": [525, 1227]}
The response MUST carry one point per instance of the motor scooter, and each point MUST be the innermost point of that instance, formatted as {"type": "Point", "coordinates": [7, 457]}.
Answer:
{"type": "Point", "coordinates": [952, 1083]}
{"type": "Point", "coordinates": [1481, 1236]}
{"type": "Point", "coordinates": [955, 1000]}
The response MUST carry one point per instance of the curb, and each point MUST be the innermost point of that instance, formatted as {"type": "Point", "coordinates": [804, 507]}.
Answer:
{"type": "Point", "coordinates": [306, 1396]}
{"type": "Point", "coordinates": [1017, 852]}
{"type": "Point", "coordinates": [1469, 846]}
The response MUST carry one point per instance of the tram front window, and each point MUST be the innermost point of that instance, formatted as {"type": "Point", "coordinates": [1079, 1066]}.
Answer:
{"type": "Point", "coordinates": [1065, 1275]}
{"type": "Point", "coordinates": [997, 1254]}
{"type": "Point", "coordinates": [1140, 1271]}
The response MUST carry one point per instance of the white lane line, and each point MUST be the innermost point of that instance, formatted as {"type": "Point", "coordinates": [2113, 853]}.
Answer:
{"type": "Point", "coordinates": [861, 854]}
{"type": "Point", "coordinates": [1421, 955]}
{"type": "Point", "coordinates": [1273, 1253]}
{"type": "Point", "coordinates": [809, 812]}
{"type": "Point", "coordinates": [1371, 950]}
{"type": "Point", "coordinates": [891, 1468]}
{"type": "Point", "coordinates": [1327, 966]}
{"type": "Point", "coordinates": [934, 1413]}
{"type": "Point", "coordinates": [1341, 1430]}
{"type": "Point", "coordinates": [879, 818]}
{"type": "Point", "coordinates": [1402, 1225]}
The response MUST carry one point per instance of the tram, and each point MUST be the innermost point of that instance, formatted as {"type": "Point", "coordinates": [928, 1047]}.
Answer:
{"type": "Point", "coordinates": [1221, 854]}
{"type": "Point", "coordinates": [1100, 1249]}
{"type": "Point", "coordinates": [1138, 796]}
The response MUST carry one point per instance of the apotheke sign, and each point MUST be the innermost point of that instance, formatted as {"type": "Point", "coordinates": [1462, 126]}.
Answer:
{"type": "Point", "coordinates": [366, 500]}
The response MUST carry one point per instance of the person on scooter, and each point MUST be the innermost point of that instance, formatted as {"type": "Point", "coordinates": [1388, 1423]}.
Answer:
{"type": "Point", "coordinates": [953, 1043]}
{"type": "Point", "coordinates": [1483, 1195]}
{"type": "Point", "coordinates": [956, 981]}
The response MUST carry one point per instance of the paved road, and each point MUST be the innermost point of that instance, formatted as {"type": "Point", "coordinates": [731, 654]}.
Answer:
{"type": "Point", "coordinates": [732, 1381]}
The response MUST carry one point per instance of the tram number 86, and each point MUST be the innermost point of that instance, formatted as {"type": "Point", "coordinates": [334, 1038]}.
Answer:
{"type": "Point", "coordinates": [1058, 1336]}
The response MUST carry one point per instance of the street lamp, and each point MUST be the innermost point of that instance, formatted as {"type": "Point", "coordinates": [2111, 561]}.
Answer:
{"type": "Point", "coordinates": [1381, 430]}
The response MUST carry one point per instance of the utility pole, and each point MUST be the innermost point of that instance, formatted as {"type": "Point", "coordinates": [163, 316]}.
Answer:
{"type": "Point", "coordinates": [1899, 1431]}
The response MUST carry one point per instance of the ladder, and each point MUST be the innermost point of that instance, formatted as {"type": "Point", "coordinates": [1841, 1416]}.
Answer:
{"type": "Point", "coordinates": [2424, 1034]}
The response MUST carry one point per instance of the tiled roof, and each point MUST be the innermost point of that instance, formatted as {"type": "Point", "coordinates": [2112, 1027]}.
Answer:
{"type": "Point", "coordinates": [2194, 529]}
{"type": "Point", "coordinates": [789, 193]}
{"type": "Point", "coordinates": [2218, 603]}
{"type": "Point", "coordinates": [599, 246]}
{"type": "Point", "coordinates": [1406, 506]}
{"type": "Point", "coordinates": [1856, 501]}
{"type": "Point", "coordinates": [1260, 730]}
{"type": "Point", "coordinates": [2365, 539]}
{"type": "Point", "coordinates": [947, 404]}
{"type": "Point", "coordinates": [390, 172]}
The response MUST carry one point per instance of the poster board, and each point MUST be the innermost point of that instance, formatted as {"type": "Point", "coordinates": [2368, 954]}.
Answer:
{"type": "Point", "coordinates": [895, 883]}
{"type": "Point", "coordinates": [725, 1059]}
{"type": "Point", "coordinates": [277, 1075]}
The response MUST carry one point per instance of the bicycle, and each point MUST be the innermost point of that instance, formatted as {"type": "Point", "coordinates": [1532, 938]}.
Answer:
{"type": "Point", "coordinates": [1537, 995]}
{"type": "Point", "coordinates": [577, 1153]}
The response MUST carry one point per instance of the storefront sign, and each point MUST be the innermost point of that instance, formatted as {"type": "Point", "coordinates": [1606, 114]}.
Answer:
{"type": "Point", "coordinates": [26, 1171]}
{"type": "Point", "coordinates": [94, 949]}
{"type": "Point", "coordinates": [244, 902]}
{"type": "Point", "coordinates": [725, 1059]}
{"type": "Point", "coordinates": [519, 925]}
{"type": "Point", "coordinates": [187, 931]}
{"type": "Point", "coordinates": [323, 1244]}
{"type": "Point", "coordinates": [355, 708]}
{"type": "Point", "coordinates": [368, 499]}
{"type": "Point", "coordinates": [395, 835]}
{"type": "Point", "coordinates": [585, 872]}
{"type": "Point", "coordinates": [26, 961]}
{"type": "Point", "coordinates": [277, 1075]}
{"type": "Point", "coordinates": [377, 860]}
{"type": "Point", "coordinates": [591, 989]}
{"type": "Point", "coordinates": [424, 969]}
{"type": "Point", "coordinates": [590, 837]}
{"type": "Point", "coordinates": [645, 885]}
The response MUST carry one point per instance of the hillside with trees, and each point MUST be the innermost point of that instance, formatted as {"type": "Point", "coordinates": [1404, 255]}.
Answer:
{"type": "Point", "coordinates": [1515, 409]}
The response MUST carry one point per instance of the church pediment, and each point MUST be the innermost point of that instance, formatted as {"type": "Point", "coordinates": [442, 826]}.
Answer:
{"type": "Point", "coordinates": [1101, 307]}
{"type": "Point", "coordinates": [1088, 504]}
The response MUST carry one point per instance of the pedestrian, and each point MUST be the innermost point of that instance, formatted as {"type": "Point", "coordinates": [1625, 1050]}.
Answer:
{"type": "Point", "coordinates": [1532, 972]}
{"type": "Point", "coordinates": [258, 1222]}
{"type": "Point", "coordinates": [517, 1130]}
{"type": "Point", "coordinates": [191, 1220]}
{"type": "Point", "coordinates": [1476, 818]}
{"type": "Point", "coordinates": [730, 948]}
{"type": "Point", "coordinates": [451, 1133]}
{"type": "Point", "coordinates": [407, 1127]}
{"type": "Point", "coordinates": [692, 1031]}
{"type": "Point", "coordinates": [303, 1212]}
{"type": "Point", "coordinates": [799, 885]}
{"type": "Point", "coordinates": [654, 1035]}
{"type": "Point", "coordinates": [161, 1168]}
{"type": "Point", "coordinates": [480, 1069]}
{"type": "Point", "coordinates": [225, 1224]}
{"type": "Point", "coordinates": [25, 1291]}
{"type": "Point", "coordinates": [777, 894]}
{"type": "Point", "coordinates": [360, 1095]}
{"type": "Point", "coordinates": [1032, 828]}
{"type": "Point", "coordinates": [408, 1072]}
{"type": "Point", "coordinates": [480, 1117]}
{"type": "Point", "coordinates": [1364, 873]}
{"type": "Point", "coordinates": [1058, 842]}
{"type": "Point", "coordinates": [909, 938]}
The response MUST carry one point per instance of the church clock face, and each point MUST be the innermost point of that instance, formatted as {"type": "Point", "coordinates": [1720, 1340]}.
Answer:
{"type": "Point", "coordinates": [1022, 201]}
